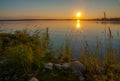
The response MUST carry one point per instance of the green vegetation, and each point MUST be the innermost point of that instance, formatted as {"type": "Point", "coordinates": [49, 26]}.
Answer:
{"type": "Point", "coordinates": [23, 56]}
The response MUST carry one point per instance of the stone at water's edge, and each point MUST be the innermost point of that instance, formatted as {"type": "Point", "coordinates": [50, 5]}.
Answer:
{"type": "Point", "coordinates": [81, 78]}
{"type": "Point", "coordinates": [65, 65]}
{"type": "Point", "coordinates": [33, 79]}
{"type": "Point", "coordinates": [77, 67]}
{"type": "Point", "coordinates": [49, 66]}
{"type": "Point", "coordinates": [6, 39]}
{"type": "Point", "coordinates": [5, 42]}
{"type": "Point", "coordinates": [58, 66]}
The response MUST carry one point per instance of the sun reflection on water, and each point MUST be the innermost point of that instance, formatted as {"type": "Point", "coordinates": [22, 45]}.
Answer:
{"type": "Point", "coordinates": [78, 25]}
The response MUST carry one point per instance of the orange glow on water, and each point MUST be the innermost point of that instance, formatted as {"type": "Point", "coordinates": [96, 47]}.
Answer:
{"type": "Point", "coordinates": [78, 25]}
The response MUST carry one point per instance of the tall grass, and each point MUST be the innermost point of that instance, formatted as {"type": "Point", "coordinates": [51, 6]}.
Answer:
{"type": "Point", "coordinates": [104, 67]}
{"type": "Point", "coordinates": [65, 52]}
{"type": "Point", "coordinates": [26, 54]}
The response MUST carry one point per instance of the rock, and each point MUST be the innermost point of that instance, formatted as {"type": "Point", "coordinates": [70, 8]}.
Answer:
{"type": "Point", "coordinates": [65, 65]}
{"type": "Point", "coordinates": [77, 67]}
{"type": "Point", "coordinates": [81, 78]}
{"type": "Point", "coordinates": [49, 66]}
{"type": "Point", "coordinates": [96, 77]}
{"type": "Point", "coordinates": [6, 39]}
{"type": "Point", "coordinates": [3, 60]}
{"type": "Point", "coordinates": [33, 79]}
{"type": "Point", "coordinates": [58, 66]}
{"type": "Point", "coordinates": [5, 42]}
{"type": "Point", "coordinates": [15, 77]}
{"type": "Point", "coordinates": [43, 70]}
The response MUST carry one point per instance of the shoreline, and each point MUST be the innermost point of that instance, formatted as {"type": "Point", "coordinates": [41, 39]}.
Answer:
{"type": "Point", "coordinates": [103, 20]}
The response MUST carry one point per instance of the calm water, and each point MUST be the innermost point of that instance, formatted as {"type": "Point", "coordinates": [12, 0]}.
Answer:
{"type": "Point", "coordinates": [78, 31]}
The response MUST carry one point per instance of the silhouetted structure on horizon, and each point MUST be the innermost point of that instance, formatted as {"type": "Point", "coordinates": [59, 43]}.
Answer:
{"type": "Point", "coordinates": [104, 15]}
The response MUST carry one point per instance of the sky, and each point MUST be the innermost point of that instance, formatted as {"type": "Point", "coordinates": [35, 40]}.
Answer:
{"type": "Point", "coordinates": [62, 9]}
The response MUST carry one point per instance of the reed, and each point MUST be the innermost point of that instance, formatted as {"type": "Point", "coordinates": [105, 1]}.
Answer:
{"type": "Point", "coordinates": [26, 54]}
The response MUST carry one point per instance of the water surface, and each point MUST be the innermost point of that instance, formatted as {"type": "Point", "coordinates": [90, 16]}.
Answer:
{"type": "Point", "coordinates": [78, 31]}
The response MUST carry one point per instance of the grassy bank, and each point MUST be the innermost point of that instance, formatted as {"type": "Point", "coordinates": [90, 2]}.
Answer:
{"type": "Point", "coordinates": [23, 56]}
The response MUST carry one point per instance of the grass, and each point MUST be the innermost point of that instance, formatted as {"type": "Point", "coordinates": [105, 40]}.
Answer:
{"type": "Point", "coordinates": [23, 55]}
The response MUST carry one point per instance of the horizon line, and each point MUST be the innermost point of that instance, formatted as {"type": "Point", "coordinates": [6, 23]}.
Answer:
{"type": "Point", "coordinates": [35, 19]}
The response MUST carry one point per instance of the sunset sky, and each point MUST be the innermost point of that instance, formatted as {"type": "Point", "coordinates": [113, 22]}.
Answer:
{"type": "Point", "coordinates": [15, 9]}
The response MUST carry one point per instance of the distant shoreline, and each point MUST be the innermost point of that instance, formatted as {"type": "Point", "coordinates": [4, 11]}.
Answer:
{"type": "Point", "coordinates": [108, 19]}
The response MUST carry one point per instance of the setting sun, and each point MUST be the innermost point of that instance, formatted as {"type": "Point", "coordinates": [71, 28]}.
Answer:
{"type": "Point", "coordinates": [78, 14]}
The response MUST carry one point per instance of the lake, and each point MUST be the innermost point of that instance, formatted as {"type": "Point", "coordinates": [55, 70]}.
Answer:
{"type": "Point", "coordinates": [76, 31]}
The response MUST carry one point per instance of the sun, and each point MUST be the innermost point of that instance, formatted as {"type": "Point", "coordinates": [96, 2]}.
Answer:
{"type": "Point", "coordinates": [78, 14]}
